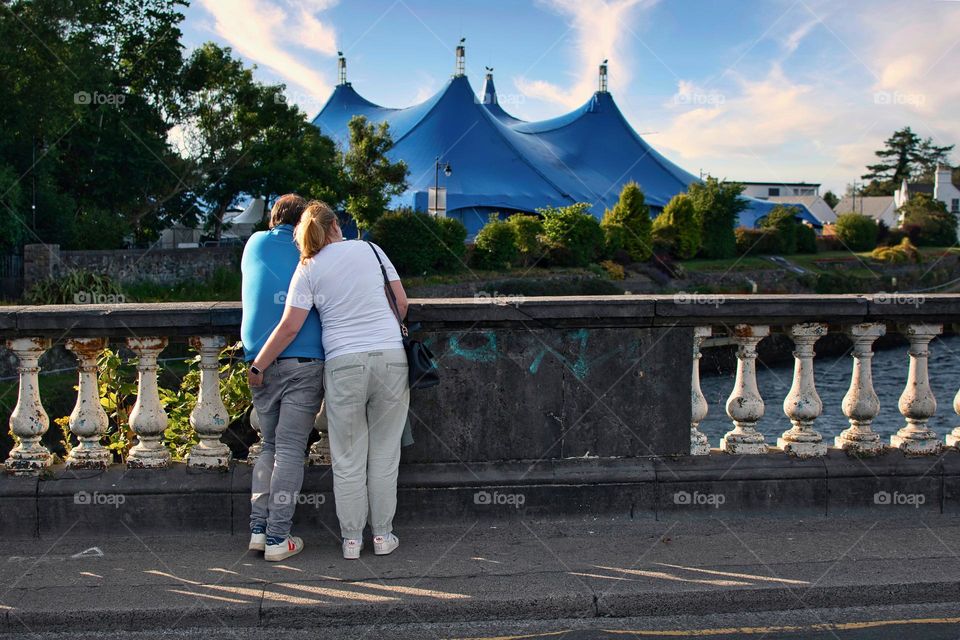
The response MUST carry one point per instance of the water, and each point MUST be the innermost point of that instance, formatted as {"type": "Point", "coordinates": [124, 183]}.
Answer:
{"type": "Point", "coordinates": [833, 379]}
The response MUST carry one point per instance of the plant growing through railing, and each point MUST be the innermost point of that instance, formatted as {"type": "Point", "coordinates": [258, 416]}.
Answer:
{"type": "Point", "coordinates": [75, 287]}
{"type": "Point", "coordinates": [118, 391]}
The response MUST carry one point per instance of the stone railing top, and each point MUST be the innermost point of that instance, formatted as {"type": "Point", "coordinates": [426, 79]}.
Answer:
{"type": "Point", "coordinates": [682, 309]}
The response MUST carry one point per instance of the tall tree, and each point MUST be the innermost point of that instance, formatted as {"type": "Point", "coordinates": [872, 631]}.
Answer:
{"type": "Point", "coordinates": [831, 199]}
{"type": "Point", "coordinates": [371, 179]}
{"type": "Point", "coordinates": [717, 206]}
{"type": "Point", "coordinates": [627, 226]}
{"type": "Point", "coordinates": [905, 155]}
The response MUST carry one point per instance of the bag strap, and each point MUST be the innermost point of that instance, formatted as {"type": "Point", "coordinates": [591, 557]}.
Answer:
{"type": "Point", "coordinates": [391, 296]}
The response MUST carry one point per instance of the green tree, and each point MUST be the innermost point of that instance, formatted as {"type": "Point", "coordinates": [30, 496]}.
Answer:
{"type": "Point", "coordinates": [937, 226]}
{"type": "Point", "coordinates": [904, 155]}
{"type": "Point", "coordinates": [717, 206]}
{"type": "Point", "coordinates": [529, 232]}
{"type": "Point", "coordinates": [627, 226]}
{"type": "Point", "coordinates": [782, 220]}
{"type": "Point", "coordinates": [677, 227]}
{"type": "Point", "coordinates": [452, 236]}
{"type": "Point", "coordinates": [857, 232]}
{"type": "Point", "coordinates": [572, 235]}
{"type": "Point", "coordinates": [370, 177]}
{"type": "Point", "coordinates": [831, 199]}
{"type": "Point", "coordinates": [495, 246]}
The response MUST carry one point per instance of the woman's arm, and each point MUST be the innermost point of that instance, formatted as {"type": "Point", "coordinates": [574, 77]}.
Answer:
{"type": "Point", "coordinates": [284, 333]}
{"type": "Point", "coordinates": [401, 296]}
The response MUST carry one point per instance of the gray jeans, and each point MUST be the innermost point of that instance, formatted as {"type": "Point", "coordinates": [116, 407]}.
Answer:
{"type": "Point", "coordinates": [367, 398]}
{"type": "Point", "coordinates": [287, 404]}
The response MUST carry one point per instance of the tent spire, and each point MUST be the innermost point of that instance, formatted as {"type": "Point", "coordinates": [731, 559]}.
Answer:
{"type": "Point", "coordinates": [489, 91]}
{"type": "Point", "coordinates": [603, 77]}
{"type": "Point", "coordinates": [342, 68]}
{"type": "Point", "coordinates": [461, 59]}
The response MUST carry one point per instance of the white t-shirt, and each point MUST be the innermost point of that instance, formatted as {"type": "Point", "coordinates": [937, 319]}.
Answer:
{"type": "Point", "coordinates": [345, 284]}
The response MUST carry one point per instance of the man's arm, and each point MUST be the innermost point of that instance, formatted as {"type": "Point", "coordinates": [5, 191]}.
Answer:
{"type": "Point", "coordinates": [284, 333]}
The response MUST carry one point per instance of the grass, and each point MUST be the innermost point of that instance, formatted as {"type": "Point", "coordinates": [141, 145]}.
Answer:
{"type": "Point", "coordinates": [740, 263]}
{"type": "Point", "coordinates": [223, 285]}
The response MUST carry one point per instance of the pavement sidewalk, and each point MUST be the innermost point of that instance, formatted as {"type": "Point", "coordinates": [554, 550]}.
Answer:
{"type": "Point", "coordinates": [477, 571]}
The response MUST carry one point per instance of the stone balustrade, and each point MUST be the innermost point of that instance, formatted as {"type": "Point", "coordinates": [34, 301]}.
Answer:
{"type": "Point", "coordinates": [527, 379]}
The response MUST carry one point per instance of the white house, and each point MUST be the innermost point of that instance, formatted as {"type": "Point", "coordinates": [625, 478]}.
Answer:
{"type": "Point", "coordinates": [942, 189]}
{"type": "Point", "coordinates": [767, 190]}
{"type": "Point", "coordinates": [814, 204]}
{"type": "Point", "coordinates": [880, 208]}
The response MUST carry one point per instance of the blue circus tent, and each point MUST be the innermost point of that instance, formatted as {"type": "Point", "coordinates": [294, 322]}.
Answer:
{"type": "Point", "coordinates": [503, 164]}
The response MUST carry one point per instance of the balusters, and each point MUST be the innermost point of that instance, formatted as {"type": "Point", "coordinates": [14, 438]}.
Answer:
{"type": "Point", "coordinates": [148, 419]}
{"type": "Point", "coordinates": [802, 404]}
{"type": "Point", "coordinates": [209, 418]}
{"type": "Point", "coordinates": [861, 404]}
{"type": "Point", "coordinates": [699, 445]}
{"type": "Point", "coordinates": [29, 421]}
{"type": "Point", "coordinates": [88, 421]}
{"type": "Point", "coordinates": [745, 405]}
{"type": "Point", "coordinates": [320, 450]}
{"type": "Point", "coordinates": [917, 403]}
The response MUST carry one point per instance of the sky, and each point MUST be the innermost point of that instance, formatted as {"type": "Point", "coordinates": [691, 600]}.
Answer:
{"type": "Point", "coordinates": [750, 90]}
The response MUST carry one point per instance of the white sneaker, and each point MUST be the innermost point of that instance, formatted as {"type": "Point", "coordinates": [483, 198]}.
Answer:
{"type": "Point", "coordinates": [289, 547]}
{"type": "Point", "coordinates": [351, 549]}
{"type": "Point", "coordinates": [384, 545]}
{"type": "Point", "coordinates": [257, 541]}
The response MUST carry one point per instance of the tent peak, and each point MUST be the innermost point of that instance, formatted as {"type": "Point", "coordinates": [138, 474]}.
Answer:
{"type": "Point", "coordinates": [342, 69]}
{"type": "Point", "coordinates": [603, 77]}
{"type": "Point", "coordinates": [460, 69]}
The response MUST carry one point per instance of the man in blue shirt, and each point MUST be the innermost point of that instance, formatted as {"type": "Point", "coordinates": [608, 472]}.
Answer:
{"type": "Point", "coordinates": [289, 399]}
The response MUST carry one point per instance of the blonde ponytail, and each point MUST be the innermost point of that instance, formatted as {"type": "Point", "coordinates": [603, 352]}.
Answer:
{"type": "Point", "coordinates": [315, 230]}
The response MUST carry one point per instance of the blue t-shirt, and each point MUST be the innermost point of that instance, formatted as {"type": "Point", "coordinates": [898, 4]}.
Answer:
{"type": "Point", "coordinates": [269, 261]}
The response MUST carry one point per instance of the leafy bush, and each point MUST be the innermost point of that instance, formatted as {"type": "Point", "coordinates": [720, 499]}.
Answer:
{"type": "Point", "coordinates": [572, 235]}
{"type": "Point", "coordinates": [717, 206]}
{"type": "Point", "coordinates": [74, 287]}
{"type": "Point", "coordinates": [783, 223]}
{"type": "Point", "coordinates": [627, 226]}
{"type": "Point", "coordinates": [903, 253]}
{"type": "Point", "coordinates": [676, 228]}
{"type": "Point", "coordinates": [937, 226]}
{"type": "Point", "coordinates": [757, 241]}
{"type": "Point", "coordinates": [614, 271]}
{"type": "Point", "coordinates": [453, 237]}
{"type": "Point", "coordinates": [496, 245]}
{"type": "Point", "coordinates": [806, 239]}
{"type": "Point", "coordinates": [418, 243]}
{"type": "Point", "coordinates": [857, 232]}
{"type": "Point", "coordinates": [529, 231]}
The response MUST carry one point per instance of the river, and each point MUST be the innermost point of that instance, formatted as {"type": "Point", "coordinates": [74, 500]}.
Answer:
{"type": "Point", "coordinates": [833, 379]}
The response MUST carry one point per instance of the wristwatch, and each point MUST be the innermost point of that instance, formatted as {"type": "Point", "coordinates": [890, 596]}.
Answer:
{"type": "Point", "coordinates": [255, 370]}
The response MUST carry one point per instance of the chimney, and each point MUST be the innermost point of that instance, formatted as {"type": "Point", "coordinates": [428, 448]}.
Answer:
{"type": "Point", "coordinates": [944, 178]}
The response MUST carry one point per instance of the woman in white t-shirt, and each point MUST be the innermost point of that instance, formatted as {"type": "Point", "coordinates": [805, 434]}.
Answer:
{"type": "Point", "coordinates": [366, 371]}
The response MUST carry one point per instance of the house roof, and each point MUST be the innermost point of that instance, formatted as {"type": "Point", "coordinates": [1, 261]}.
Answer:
{"type": "Point", "coordinates": [779, 184]}
{"type": "Point", "coordinates": [873, 206]}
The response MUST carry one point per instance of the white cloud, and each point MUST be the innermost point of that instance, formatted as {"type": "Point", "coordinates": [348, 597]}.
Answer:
{"type": "Point", "coordinates": [601, 29]}
{"type": "Point", "coordinates": [256, 30]}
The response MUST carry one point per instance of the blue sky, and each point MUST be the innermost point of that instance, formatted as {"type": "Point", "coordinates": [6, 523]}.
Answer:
{"type": "Point", "coordinates": [780, 90]}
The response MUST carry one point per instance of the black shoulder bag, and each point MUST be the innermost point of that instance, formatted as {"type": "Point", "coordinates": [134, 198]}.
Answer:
{"type": "Point", "coordinates": [423, 370]}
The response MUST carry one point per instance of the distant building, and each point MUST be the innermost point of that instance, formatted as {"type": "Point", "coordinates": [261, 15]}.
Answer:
{"type": "Point", "coordinates": [814, 204]}
{"type": "Point", "coordinates": [880, 208]}
{"type": "Point", "coordinates": [942, 189]}
{"type": "Point", "coordinates": [767, 190]}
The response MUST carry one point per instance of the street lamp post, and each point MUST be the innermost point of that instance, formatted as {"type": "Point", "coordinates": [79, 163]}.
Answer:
{"type": "Point", "coordinates": [447, 171]}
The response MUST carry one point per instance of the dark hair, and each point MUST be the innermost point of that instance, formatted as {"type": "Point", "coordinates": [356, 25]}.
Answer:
{"type": "Point", "coordinates": [287, 210]}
